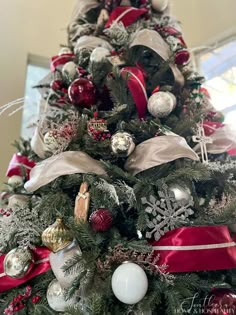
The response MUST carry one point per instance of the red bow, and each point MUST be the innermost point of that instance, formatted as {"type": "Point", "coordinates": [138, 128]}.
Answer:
{"type": "Point", "coordinates": [19, 165]}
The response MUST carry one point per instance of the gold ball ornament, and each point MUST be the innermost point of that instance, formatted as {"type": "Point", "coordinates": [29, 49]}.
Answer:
{"type": "Point", "coordinates": [18, 263]}
{"type": "Point", "coordinates": [122, 144]}
{"type": "Point", "coordinates": [57, 236]}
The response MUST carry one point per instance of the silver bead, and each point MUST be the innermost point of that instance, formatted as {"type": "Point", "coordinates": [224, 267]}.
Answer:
{"type": "Point", "coordinates": [182, 194]}
{"type": "Point", "coordinates": [18, 263]}
{"type": "Point", "coordinates": [122, 144]}
{"type": "Point", "coordinates": [56, 297]}
{"type": "Point", "coordinates": [161, 104]}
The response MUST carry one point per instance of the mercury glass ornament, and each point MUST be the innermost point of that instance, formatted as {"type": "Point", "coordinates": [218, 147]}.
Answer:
{"type": "Point", "coordinates": [122, 144]}
{"type": "Point", "coordinates": [56, 299]}
{"type": "Point", "coordinates": [182, 194]}
{"type": "Point", "coordinates": [57, 236]}
{"type": "Point", "coordinates": [70, 70]}
{"type": "Point", "coordinates": [161, 104]}
{"type": "Point", "coordinates": [58, 260]}
{"type": "Point", "coordinates": [18, 263]}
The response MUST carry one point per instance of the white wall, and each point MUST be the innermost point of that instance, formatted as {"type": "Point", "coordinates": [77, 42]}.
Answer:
{"type": "Point", "coordinates": [38, 27]}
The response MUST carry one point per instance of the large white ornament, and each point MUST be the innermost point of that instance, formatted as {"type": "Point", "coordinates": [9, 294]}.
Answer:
{"type": "Point", "coordinates": [160, 5]}
{"type": "Point", "coordinates": [161, 104]}
{"type": "Point", "coordinates": [56, 299]}
{"type": "Point", "coordinates": [99, 54]}
{"type": "Point", "coordinates": [129, 283]}
{"type": "Point", "coordinates": [122, 144]}
{"type": "Point", "coordinates": [58, 260]}
{"type": "Point", "coordinates": [16, 180]}
{"type": "Point", "coordinates": [70, 71]}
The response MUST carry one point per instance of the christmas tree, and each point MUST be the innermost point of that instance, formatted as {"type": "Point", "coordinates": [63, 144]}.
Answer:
{"type": "Point", "coordinates": [123, 202]}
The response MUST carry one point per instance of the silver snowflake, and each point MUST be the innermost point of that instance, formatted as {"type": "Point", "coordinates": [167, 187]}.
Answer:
{"type": "Point", "coordinates": [165, 213]}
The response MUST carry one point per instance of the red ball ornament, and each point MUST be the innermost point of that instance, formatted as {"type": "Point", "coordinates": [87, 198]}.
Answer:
{"type": "Point", "coordinates": [101, 220]}
{"type": "Point", "coordinates": [56, 85]}
{"type": "Point", "coordinates": [82, 93]}
{"type": "Point", "coordinates": [220, 302]}
{"type": "Point", "coordinates": [182, 57]}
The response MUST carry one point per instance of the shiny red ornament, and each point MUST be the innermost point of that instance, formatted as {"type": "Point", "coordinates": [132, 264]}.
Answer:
{"type": "Point", "coordinates": [56, 85]}
{"type": "Point", "coordinates": [220, 302]}
{"type": "Point", "coordinates": [101, 220]}
{"type": "Point", "coordinates": [82, 93]}
{"type": "Point", "coordinates": [182, 57]}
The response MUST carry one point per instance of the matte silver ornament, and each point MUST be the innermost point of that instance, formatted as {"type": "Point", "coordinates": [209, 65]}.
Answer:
{"type": "Point", "coordinates": [18, 263]}
{"type": "Point", "coordinates": [122, 144]}
{"type": "Point", "coordinates": [56, 297]}
{"type": "Point", "coordinates": [161, 104]}
{"type": "Point", "coordinates": [70, 71]}
{"type": "Point", "coordinates": [182, 194]}
{"type": "Point", "coordinates": [99, 54]}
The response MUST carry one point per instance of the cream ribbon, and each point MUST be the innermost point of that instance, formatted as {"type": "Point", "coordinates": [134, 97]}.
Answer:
{"type": "Point", "coordinates": [65, 163]}
{"type": "Point", "coordinates": [157, 151]}
{"type": "Point", "coordinates": [154, 41]}
{"type": "Point", "coordinates": [194, 247]}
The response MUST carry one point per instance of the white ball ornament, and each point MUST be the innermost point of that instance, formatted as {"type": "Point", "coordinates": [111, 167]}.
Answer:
{"type": "Point", "coordinates": [70, 70]}
{"type": "Point", "coordinates": [56, 297]}
{"type": "Point", "coordinates": [64, 51]}
{"type": "Point", "coordinates": [129, 283]}
{"type": "Point", "coordinates": [15, 180]}
{"type": "Point", "coordinates": [159, 5]}
{"type": "Point", "coordinates": [161, 104]}
{"type": "Point", "coordinates": [99, 54]}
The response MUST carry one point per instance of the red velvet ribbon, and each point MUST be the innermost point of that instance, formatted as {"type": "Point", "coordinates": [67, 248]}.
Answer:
{"type": "Point", "coordinates": [60, 60]}
{"type": "Point", "coordinates": [41, 265]}
{"type": "Point", "coordinates": [137, 87]}
{"type": "Point", "coordinates": [192, 249]}
{"type": "Point", "coordinates": [125, 14]}
{"type": "Point", "coordinates": [17, 163]}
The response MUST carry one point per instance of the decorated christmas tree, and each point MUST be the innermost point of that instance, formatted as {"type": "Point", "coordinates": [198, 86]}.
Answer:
{"type": "Point", "coordinates": [123, 202]}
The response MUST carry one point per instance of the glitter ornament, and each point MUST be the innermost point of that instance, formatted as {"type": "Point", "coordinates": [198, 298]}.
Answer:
{"type": "Point", "coordinates": [57, 236]}
{"type": "Point", "coordinates": [122, 144]}
{"type": "Point", "coordinates": [161, 104]}
{"type": "Point", "coordinates": [101, 220]}
{"type": "Point", "coordinates": [99, 54]}
{"type": "Point", "coordinates": [82, 93]}
{"type": "Point", "coordinates": [55, 141]}
{"type": "Point", "coordinates": [18, 263]}
{"type": "Point", "coordinates": [129, 283]}
{"type": "Point", "coordinates": [56, 297]}
{"type": "Point", "coordinates": [16, 180]}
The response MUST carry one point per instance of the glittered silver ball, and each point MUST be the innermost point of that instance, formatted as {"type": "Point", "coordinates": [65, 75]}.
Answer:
{"type": "Point", "coordinates": [70, 71]}
{"type": "Point", "coordinates": [182, 194]}
{"type": "Point", "coordinates": [54, 142]}
{"type": "Point", "coordinates": [161, 104]}
{"type": "Point", "coordinates": [122, 144]}
{"type": "Point", "coordinates": [99, 54]}
{"type": "Point", "coordinates": [160, 5]}
{"type": "Point", "coordinates": [15, 180]}
{"type": "Point", "coordinates": [18, 263]}
{"type": "Point", "coordinates": [56, 297]}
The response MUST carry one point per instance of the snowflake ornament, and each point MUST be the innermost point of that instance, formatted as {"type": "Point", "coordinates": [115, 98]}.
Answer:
{"type": "Point", "coordinates": [165, 213]}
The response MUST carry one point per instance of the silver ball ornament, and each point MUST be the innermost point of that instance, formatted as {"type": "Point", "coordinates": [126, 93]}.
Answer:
{"type": "Point", "coordinates": [161, 104]}
{"type": "Point", "coordinates": [18, 263]}
{"type": "Point", "coordinates": [182, 194]}
{"type": "Point", "coordinates": [122, 144]}
{"type": "Point", "coordinates": [15, 180]}
{"type": "Point", "coordinates": [70, 70]}
{"type": "Point", "coordinates": [54, 142]}
{"type": "Point", "coordinates": [99, 54]}
{"type": "Point", "coordinates": [159, 5]}
{"type": "Point", "coordinates": [58, 260]}
{"type": "Point", "coordinates": [56, 298]}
